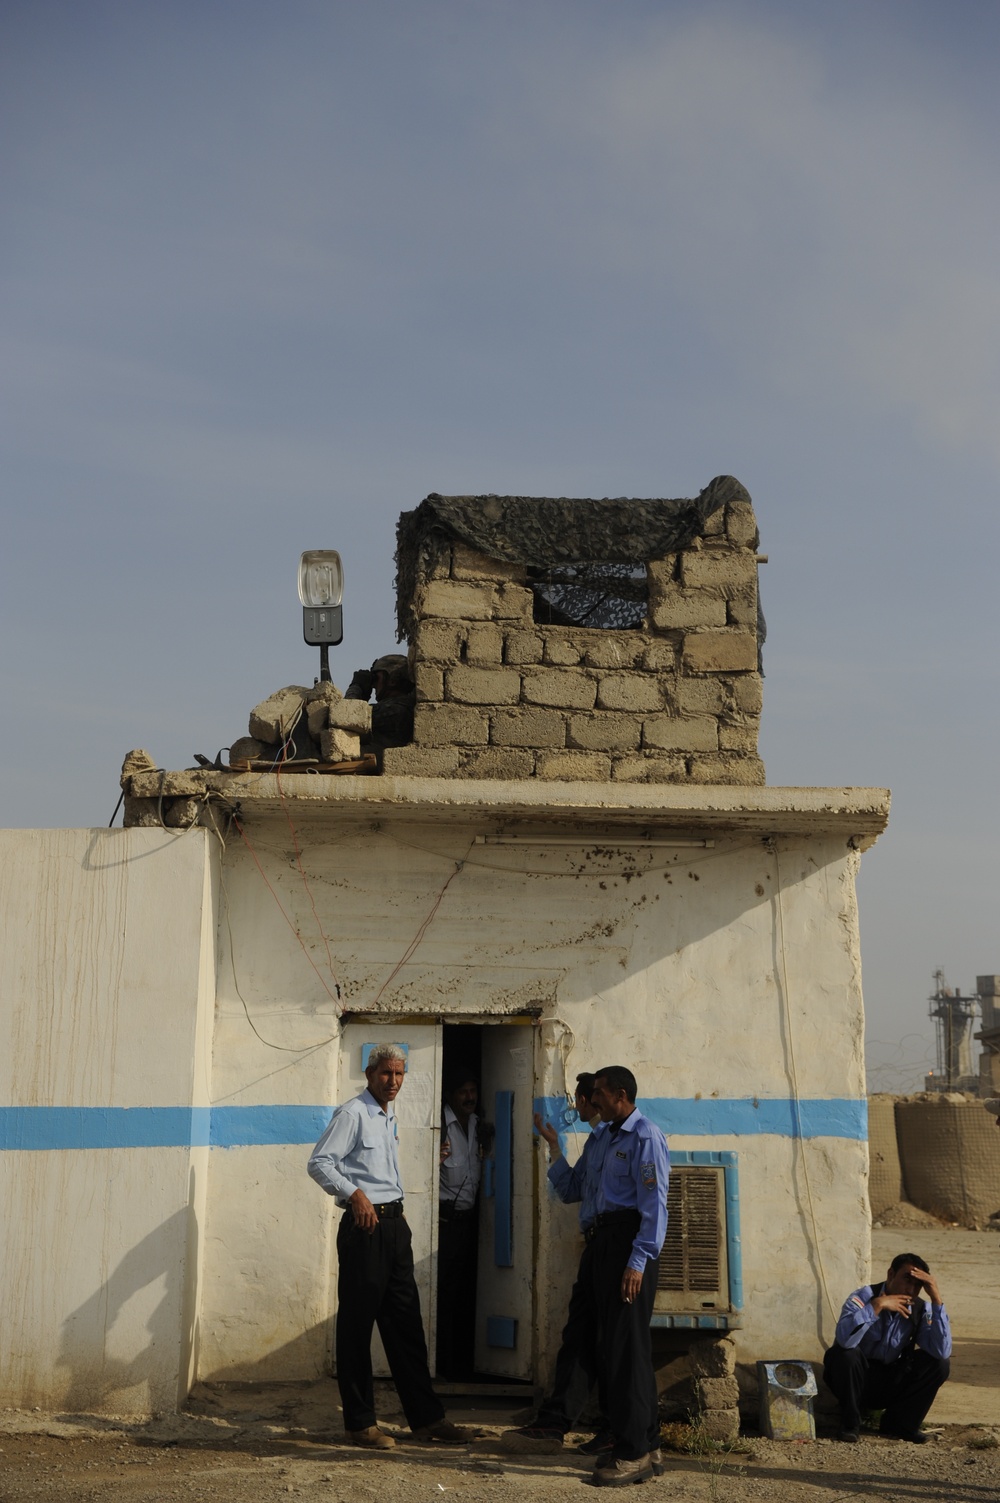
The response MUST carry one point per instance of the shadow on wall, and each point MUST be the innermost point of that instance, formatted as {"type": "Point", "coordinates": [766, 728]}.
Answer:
{"type": "Point", "coordinates": [156, 1276]}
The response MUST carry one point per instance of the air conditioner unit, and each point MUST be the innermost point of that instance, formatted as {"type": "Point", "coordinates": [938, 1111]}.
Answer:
{"type": "Point", "coordinates": [699, 1275]}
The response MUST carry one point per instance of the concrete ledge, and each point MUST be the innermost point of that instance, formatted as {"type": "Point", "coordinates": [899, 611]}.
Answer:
{"type": "Point", "coordinates": [858, 813]}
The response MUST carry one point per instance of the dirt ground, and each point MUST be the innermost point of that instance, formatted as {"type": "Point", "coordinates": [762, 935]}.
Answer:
{"type": "Point", "coordinates": [256, 1445]}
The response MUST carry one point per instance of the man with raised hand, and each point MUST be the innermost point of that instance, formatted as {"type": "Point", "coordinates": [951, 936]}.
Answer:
{"type": "Point", "coordinates": [630, 1223]}
{"type": "Point", "coordinates": [576, 1364]}
{"type": "Point", "coordinates": [356, 1160]}
{"type": "Point", "coordinates": [890, 1351]}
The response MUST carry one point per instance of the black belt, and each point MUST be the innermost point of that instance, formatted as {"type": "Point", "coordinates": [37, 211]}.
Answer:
{"type": "Point", "coordinates": [394, 1208]}
{"type": "Point", "coordinates": [452, 1213]}
{"type": "Point", "coordinates": [612, 1218]}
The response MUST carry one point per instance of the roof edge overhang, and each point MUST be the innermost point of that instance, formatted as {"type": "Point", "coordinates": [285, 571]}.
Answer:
{"type": "Point", "coordinates": [858, 814]}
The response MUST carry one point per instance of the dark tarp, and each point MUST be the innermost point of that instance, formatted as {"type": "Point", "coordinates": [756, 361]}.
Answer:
{"type": "Point", "coordinates": [547, 530]}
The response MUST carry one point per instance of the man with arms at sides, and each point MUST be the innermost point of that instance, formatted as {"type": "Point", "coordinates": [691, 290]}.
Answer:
{"type": "Point", "coordinates": [357, 1161]}
{"type": "Point", "coordinates": [576, 1364]}
{"type": "Point", "coordinates": [890, 1351]}
{"type": "Point", "coordinates": [458, 1225]}
{"type": "Point", "coordinates": [630, 1224]}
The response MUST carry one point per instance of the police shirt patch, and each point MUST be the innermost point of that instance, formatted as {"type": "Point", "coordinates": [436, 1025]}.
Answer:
{"type": "Point", "coordinates": [619, 1154]}
{"type": "Point", "coordinates": [647, 1173]}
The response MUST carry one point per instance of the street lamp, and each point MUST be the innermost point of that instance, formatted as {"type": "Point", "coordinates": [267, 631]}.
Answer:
{"type": "Point", "coordinates": [321, 589]}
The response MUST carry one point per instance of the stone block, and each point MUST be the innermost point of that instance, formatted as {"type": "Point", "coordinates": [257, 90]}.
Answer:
{"type": "Point", "coordinates": [562, 652]}
{"type": "Point", "coordinates": [738, 735]}
{"type": "Point", "coordinates": [467, 563]}
{"type": "Point", "coordinates": [515, 603]}
{"type": "Point", "coordinates": [420, 761]}
{"type": "Point", "coordinates": [587, 767]}
{"type": "Point", "coordinates": [630, 691]}
{"type": "Point", "coordinates": [745, 770]}
{"type": "Point", "coordinates": [429, 681]}
{"type": "Point", "coordinates": [440, 642]}
{"type": "Point", "coordinates": [722, 1425]}
{"type": "Point", "coordinates": [681, 733]}
{"type": "Point", "coordinates": [748, 693]}
{"type": "Point", "coordinates": [274, 717]}
{"type": "Point", "coordinates": [135, 761]}
{"type": "Point", "coordinates": [715, 1359]}
{"type": "Point", "coordinates": [539, 728]}
{"type": "Point", "coordinates": [140, 813]}
{"type": "Point", "coordinates": [617, 649]}
{"type": "Point", "coordinates": [698, 696]}
{"type": "Point", "coordinates": [456, 599]}
{"type": "Point", "coordinates": [182, 813]}
{"type": "Point", "coordinates": [678, 609]}
{"type": "Point", "coordinates": [449, 725]}
{"type": "Point", "coordinates": [249, 749]}
{"type": "Point", "coordinates": [597, 732]}
{"type": "Point", "coordinates": [506, 762]}
{"type": "Point", "coordinates": [720, 571]}
{"type": "Point", "coordinates": [324, 692]}
{"type": "Point", "coordinates": [720, 652]}
{"type": "Point", "coordinates": [483, 686]}
{"type": "Point", "coordinates": [649, 770]}
{"type": "Point", "coordinates": [741, 610]}
{"type": "Point", "coordinates": [523, 647]}
{"type": "Point", "coordinates": [659, 657]}
{"type": "Point", "coordinates": [317, 718]}
{"type": "Point", "coordinates": [353, 715]}
{"type": "Point", "coordinates": [717, 1393]}
{"type": "Point", "coordinates": [339, 746]}
{"type": "Point", "coordinates": [484, 644]}
{"type": "Point", "coordinates": [168, 784]}
{"type": "Point", "coordinates": [715, 525]}
{"type": "Point", "coordinates": [567, 687]}
{"type": "Point", "coordinates": [741, 525]}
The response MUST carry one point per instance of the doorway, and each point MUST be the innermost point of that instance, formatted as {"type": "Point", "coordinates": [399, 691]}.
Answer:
{"type": "Point", "coordinates": [500, 1052]}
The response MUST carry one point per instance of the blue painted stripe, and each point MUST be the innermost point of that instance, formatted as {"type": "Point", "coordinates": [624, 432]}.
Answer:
{"type": "Point", "coordinates": [740, 1117]}
{"type": "Point", "coordinates": [67, 1127]}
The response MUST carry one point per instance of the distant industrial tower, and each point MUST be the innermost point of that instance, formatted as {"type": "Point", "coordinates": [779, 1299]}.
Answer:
{"type": "Point", "coordinates": [955, 1016]}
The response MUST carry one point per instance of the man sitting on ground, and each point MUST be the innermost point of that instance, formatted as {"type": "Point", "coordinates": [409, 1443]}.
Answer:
{"type": "Point", "coordinates": [890, 1351]}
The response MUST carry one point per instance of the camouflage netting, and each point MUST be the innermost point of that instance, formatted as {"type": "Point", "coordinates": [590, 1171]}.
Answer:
{"type": "Point", "coordinates": [547, 531]}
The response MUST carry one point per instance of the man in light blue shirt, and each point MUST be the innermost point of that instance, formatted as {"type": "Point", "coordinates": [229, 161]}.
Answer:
{"type": "Point", "coordinates": [356, 1160]}
{"type": "Point", "coordinates": [891, 1351]}
{"type": "Point", "coordinates": [576, 1364]}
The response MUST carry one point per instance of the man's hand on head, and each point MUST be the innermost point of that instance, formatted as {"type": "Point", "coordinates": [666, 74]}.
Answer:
{"type": "Point", "coordinates": [363, 1211]}
{"type": "Point", "coordinates": [928, 1282]}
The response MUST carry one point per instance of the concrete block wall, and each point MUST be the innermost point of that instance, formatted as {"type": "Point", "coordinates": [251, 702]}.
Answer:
{"type": "Point", "coordinates": [502, 696]}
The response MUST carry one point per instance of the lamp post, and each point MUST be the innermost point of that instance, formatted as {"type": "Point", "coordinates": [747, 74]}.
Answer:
{"type": "Point", "coordinates": [321, 590]}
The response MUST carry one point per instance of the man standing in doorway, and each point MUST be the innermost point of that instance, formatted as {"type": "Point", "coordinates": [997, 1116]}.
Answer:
{"type": "Point", "coordinates": [357, 1161]}
{"type": "Point", "coordinates": [630, 1224]}
{"type": "Point", "coordinates": [458, 1242]}
{"type": "Point", "coordinates": [576, 1364]}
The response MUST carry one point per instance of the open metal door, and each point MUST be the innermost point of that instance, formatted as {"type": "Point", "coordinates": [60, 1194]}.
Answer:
{"type": "Point", "coordinates": [504, 1308]}
{"type": "Point", "coordinates": [418, 1113]}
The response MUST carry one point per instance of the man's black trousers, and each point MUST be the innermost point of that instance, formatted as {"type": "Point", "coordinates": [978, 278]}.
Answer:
{"type": "Point", "coordinates": [624, 1345]}
{"type": "Point", "coordinates": [458, 1249]}
{"type": "Point", "coordinates": [376, 1287]}
{"type": "Point", "coordinates": [576, 1365]}
{"type": "Point", "coordinates": [903, 1389]}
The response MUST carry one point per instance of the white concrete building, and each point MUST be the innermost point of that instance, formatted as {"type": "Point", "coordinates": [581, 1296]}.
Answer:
{"type": "Point", "coordinates": [183, 1007]}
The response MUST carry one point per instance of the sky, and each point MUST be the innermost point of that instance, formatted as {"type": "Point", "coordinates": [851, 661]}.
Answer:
{"type": "Point", "coordinates": [270, 273]}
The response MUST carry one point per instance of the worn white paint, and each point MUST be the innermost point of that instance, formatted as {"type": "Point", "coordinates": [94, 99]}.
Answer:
{"type": "Point", "coordinates": [731, 970]}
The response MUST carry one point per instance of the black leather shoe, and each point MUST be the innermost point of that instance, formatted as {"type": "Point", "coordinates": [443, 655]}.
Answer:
{"type": "Point", "coordinates": [915, 1437]}
{"type": "Point", "coordinates": [602, 1441]}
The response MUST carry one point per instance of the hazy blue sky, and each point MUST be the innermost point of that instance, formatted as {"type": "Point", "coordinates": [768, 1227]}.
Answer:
{"type": "Point", "coordinates": [273, 271]}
